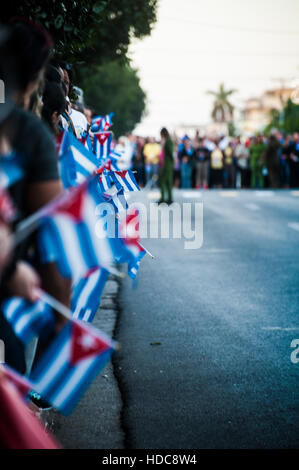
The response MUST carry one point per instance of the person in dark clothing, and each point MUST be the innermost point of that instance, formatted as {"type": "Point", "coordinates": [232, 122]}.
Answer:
{"type": "Point", "coordinates": [285, 163]}
{"type": "Point", "coordinates": [53, 106]}
{"type": "Point", "coordinates": [24, 52]}
{"type": "Point", "coordinates": [166, 173]}
{"type": "Point", "coordinates": [293, 152]}
{"type": "Point", "coordinates": [271, 160]}
{"type": "Point", "coordinates": [202, 157]}
{"type": "Point", "coordinates": [186, 157]}
{"type": "Point", "coordinates": [138, 163]}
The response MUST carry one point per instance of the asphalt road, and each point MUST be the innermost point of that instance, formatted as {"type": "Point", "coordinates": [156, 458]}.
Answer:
{"type": "Point", "coordinates": [206, 356]}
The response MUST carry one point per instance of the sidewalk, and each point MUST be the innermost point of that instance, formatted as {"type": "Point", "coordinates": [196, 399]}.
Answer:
{"type": "Point", "coordinates": [95, 423]}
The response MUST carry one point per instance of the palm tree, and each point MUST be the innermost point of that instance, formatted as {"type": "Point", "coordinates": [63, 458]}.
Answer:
{"type": "Point", "coordinates": [222, 109]}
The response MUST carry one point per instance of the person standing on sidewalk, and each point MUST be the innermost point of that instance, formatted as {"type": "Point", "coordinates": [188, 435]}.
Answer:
{"type": "Point", "coordinates": [166, 172]}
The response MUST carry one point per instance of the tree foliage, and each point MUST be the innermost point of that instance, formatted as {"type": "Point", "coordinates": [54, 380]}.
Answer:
{"type": "Point", "coordinates": [114, 87]}
{"type": "Point", "coordinates": [222, 108]}
{"type": "Point", "coordinates": [89, 31]}
{"type": "Point", "coordinates": [287, 120]}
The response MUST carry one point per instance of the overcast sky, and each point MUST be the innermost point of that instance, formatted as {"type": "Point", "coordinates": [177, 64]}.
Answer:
{"type": "Point", "coordinates": [196, 44]}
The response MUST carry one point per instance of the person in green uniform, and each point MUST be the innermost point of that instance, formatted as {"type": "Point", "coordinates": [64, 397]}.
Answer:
{"type": "Point", "coordinates": [256, 152]}
{"type": "Point", "coordinates": [166, 171]}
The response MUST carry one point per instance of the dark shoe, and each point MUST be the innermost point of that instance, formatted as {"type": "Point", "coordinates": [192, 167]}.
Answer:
{"type": "Point", "coordinates": [169, 202]}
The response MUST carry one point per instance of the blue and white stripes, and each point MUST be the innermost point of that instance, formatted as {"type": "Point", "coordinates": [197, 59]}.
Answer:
{"type": "Point", "coordinates": [58, 380]}
{"type": "Point", "coordinates": [87, 293]}
{"type": "Point", "coordinates": [125, 180]}
{"type": "Point", "coordinates": [28, 319]}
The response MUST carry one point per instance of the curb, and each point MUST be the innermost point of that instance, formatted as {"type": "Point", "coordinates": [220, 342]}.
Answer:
{"type": "Point", "coordinates": [95, 423]}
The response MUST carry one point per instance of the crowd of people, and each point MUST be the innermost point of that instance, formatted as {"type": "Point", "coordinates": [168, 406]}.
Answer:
{"type": "Point", "coordinates": [240, 162]}
{"type": "Point", "coordinates": [40, 102]}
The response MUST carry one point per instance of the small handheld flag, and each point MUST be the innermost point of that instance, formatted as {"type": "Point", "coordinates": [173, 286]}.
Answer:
{"type": "Point", "coordinates": [87, 293]}
{"type": "Point", "coordinates": [124, 179]}
{"type": "Point", "coordinates": [102, 145]}
{"type": "Point", "coordinates": [102, 123]}
{"type": "Point", "coordinates": [28, 319]}
{"type": "Point", "coordinates": [69, 365]}
{"type": "Point", "coordinates": [75, 161]}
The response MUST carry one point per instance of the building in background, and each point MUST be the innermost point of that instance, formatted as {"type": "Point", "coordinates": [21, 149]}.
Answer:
{"type": "Point", "coordinates": [256, 113]}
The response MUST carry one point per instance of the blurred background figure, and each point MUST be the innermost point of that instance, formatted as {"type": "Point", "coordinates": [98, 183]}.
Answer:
{"type": "Point", "coordinates": [186, 157]}
{"type": "Point", "coordinates": [166, 170]}
{"type": "Point", "coordinates": [151, 154]}
{"type": "Point", "coordinates": [201, 157]}
{"type": "Point", "coordinates": [241, 154]}
{"type": "Point", "coordinates": [217, 167]}
{"type": "Point", "coordinates": [256, 152]}
{"type": "Point", "coordinates": [138, 162]}
{"type": "Point", "coordinates": [271, 160]}
{"type": "Point", "coordinates": [229, 172]}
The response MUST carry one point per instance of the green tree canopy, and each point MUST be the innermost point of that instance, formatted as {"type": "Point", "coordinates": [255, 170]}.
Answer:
{"type": "Point", "coordinates": [287, 120]}
{"type": "Point", "coordinates": [114, 87]}
{"type": "Point", "coordinates": [89, 31]}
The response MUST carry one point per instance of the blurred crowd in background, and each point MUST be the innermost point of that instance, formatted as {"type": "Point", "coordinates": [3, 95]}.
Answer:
{"type": "Point", "coordinates": [223, 162]}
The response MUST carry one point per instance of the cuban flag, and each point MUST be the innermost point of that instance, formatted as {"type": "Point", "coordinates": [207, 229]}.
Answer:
{"type": "Point", "coordinates": [28, 319]}
{"type": "Point", "coordinates": [102, 123]}
{"type": "Point", "coordinates": [85, 140]}
{"type": "Point", "coordinates": [10, 170]}
{"type": "Point", "coordinates": [105, 181]}
{"type": "Point", "coordinates": [86, 296]}
{"type": "Point", "coordinates": [102, 145]}
{"type": "Point", "coordinates": [117, 200]}
{"type": "Point", "coordinates": [124, 179]}
{"type": "Point", "coordinates": [76, 163]}
{"type": "Point", "coordinates": [126, 245]}
{"type": "Point", "coordinates": [110, 164]}
{"type": "Point", "coordinates": [74, 358]}
{"type": "Point", "coordinates": [72, 236]}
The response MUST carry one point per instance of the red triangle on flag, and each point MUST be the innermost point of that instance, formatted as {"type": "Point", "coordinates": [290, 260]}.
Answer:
{"type": "Point", "coordinates": [122, 173]}
{"type": "Point", "coordinates": [84, 343]}
{"type": "Point", "coordinates": [130, 229]}
{"type": "Point", "coordinates": [99, 170]}
{"type": "Point", "coordinates": [102, 137]}
{"type": "Point", "coordinates": [72, 206]}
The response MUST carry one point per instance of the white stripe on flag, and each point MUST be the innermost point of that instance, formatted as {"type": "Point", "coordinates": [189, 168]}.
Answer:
{"type": "Point", "coordinates": [49, 373]}
{"type": "Point", "coordinates": [86, 314]}
{"type": "Point", "coordinates": [98, 234]}
{"type": "Point", "coordinates": [80, 178]}
{"type": "Point", "coordinates": [131, 182]}
{"type": "Point", "coordinates": [12, 306]}
{"type": "Point", "coordinates": [88, 288]}
{"type": "Point", "coordinates": [83, 161]}
{"type": "Point", "coordinates": [71, 245]}
{"type": "Point", "coordinates": [26, 317]}
{"type": "Point", "coordinates": [75, 378]}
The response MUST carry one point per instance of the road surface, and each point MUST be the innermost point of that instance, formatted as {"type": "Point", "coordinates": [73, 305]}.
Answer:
{"type": "Point", "coordinates": [206, 357]}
